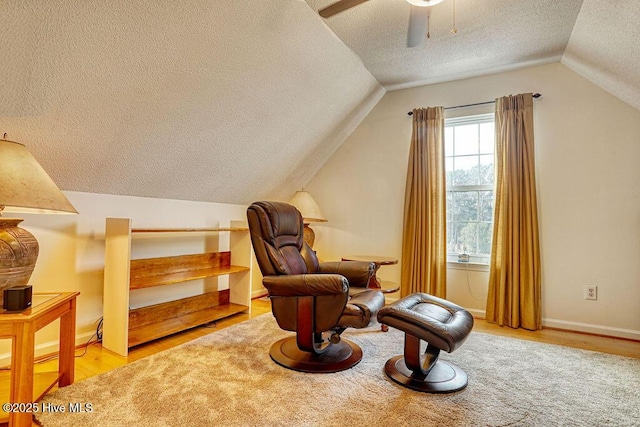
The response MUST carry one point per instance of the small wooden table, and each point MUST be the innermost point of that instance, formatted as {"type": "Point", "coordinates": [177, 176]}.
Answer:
{"type": "Point", "coordinates": [374, 282]}
{"type": "Point", "coordinates": [21, 327]}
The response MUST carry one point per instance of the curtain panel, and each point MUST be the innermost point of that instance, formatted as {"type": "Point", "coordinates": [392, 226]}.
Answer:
{"type": "Point", "coordinates": [424, 244]}
{"type": "Point", "coordinates": [514, 296]}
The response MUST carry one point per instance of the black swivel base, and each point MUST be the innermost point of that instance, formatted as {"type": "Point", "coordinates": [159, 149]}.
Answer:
{"type": "Point", "coordinates": [337, 357]}
{"type": "Point", "coordinates": [442, 378]}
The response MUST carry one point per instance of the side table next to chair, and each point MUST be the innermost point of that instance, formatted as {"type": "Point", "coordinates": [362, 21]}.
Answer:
{"type": "Point", "coordinates": [385, 287]}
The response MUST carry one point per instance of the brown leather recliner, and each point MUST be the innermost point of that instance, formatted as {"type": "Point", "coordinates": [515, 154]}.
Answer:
{"type": "Point", "coordinates": [309, 297]}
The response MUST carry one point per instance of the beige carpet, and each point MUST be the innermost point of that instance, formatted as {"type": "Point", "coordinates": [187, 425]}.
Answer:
{"type": "Point", "coordinates": [228, 379]}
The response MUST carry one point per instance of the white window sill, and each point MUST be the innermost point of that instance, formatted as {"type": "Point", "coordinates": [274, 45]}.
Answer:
{"type": "Point", "coordinates": [471, 266]}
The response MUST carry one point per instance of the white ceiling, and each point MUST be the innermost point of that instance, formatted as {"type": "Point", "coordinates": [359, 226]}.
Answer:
{"type": "Point", "coordinates": [604, 47]}
{"type": "Point", "coordinates": [225, 101]}
{"type": "Point", "coordinates": [238, 100]}
{"type": "Point", "coordinates": [493, 35]}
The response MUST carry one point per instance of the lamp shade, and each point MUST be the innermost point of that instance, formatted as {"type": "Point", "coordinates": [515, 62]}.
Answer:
{"type": "Point", "coordinates": [308, 207]}
{"type": "Point", "coordinates": [24, 184]}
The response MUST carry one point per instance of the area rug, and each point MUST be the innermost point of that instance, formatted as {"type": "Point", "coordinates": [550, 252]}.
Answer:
{"type": "Point", "coordinates": [228, 379]}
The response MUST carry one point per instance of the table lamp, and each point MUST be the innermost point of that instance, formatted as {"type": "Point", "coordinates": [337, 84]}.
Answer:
{"type": "Point", "coordinates": [310, 211]}
{"type": "Point", "coordinates": [24, 187]}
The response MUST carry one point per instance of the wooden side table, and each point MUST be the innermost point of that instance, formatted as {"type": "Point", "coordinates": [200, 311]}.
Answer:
{"type": "Point", "coordinates": [389, 287]}
{"type": "Point", "coordinates": [21, 328]}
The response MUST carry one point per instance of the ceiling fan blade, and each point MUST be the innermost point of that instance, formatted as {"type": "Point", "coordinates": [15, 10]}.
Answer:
{"type": "Point", "coordinates": [417, 26]}
{"type": "Point", "coordinates": [339, 6]}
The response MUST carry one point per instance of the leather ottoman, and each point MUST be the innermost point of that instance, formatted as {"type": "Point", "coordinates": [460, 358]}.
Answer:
{"type": "Point", "coordinates": [443, 325]}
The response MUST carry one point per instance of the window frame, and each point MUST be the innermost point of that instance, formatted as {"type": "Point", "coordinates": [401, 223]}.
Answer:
{"type": "Point", "coordinates": [476, 261]}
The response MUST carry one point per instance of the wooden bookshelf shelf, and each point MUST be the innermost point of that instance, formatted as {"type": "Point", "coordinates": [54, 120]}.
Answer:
{"type": "Point", "coordinates": [183, 276]}
{"type": "Point", "coordinates": [188, 230]}
{"type": "Point", "coordinates": [125, 327]}
{"type": "Point", "coordinates": [149, 272]}
{"type": "Point", "coordinates": [171, 325]}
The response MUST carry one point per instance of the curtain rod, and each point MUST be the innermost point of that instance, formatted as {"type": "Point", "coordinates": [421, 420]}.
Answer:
{"type": "Point", "coordinates": [535, 95]}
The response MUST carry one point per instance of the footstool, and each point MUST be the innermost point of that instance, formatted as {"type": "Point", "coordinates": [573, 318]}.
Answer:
{"type": "Point", "coordinates": [443, 325]}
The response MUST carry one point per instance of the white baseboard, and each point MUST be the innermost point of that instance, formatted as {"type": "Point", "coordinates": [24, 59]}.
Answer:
{"type": "Point", "coordinates": [479, 314]}
{"type": "Point", "coordinates": [48, 348]}
{"type": "Point", "coordinates": [566, 325]}
{"type": "Point", "coordinates": [259, 293]}
{"type": "Point", "coordinates": [592, 329]}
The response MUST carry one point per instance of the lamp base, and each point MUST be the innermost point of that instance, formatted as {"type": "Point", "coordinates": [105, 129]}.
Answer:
{"type": "Point", "coordinates": [308, 235]}
{"type": "Point", "coordinates": [18, 255]}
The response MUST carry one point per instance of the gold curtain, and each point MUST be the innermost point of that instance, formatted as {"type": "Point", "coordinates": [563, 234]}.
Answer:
{"type": "Point", "coordinates": [514, 278]}
{"type": "Point", "coordinates": [424, 248]}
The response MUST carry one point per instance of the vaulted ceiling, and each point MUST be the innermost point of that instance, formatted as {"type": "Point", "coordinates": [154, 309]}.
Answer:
{"type": "Point", "coordinates": [493, 35]}
{"type": "Point", "coordinates": [237, 100]}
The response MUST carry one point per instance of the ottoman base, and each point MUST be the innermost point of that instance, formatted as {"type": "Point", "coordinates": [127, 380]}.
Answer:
{"type": "Point", "coordinates": [443, 377]}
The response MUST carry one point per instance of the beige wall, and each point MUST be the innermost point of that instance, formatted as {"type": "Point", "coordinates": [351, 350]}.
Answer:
{"type": "Point", "coordinates": [587, 151]}
{"type": "Point", "coordinates": [72, 251]}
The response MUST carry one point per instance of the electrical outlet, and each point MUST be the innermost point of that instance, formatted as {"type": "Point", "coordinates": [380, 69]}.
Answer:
{"type": "Point", "coordinates": [590, 292]}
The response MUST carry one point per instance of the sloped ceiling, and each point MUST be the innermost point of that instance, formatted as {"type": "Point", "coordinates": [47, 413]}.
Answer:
{"type": "Point", "coordinates": [492, 36]}
{"type": "Point", "coordinates": [237, 100]}
{"type": "Point", "coordinates": [225, 101]}
{"type": "Point", "coordinates": [604, 47]}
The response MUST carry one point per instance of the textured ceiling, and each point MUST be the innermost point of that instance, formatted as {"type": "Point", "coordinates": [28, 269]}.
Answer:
{"type": "Point", "coordinates": [493, 36]}
{"type": "Point", "coordinates": [238, 100]}
{"type": "Point", "coordinates": [604, 47]}
{"type": "Point", "coordinates": [226, 101]}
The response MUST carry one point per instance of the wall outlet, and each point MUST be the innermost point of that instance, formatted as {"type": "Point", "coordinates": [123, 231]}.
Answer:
{"type": "Point", "coordinates": [590, 292]}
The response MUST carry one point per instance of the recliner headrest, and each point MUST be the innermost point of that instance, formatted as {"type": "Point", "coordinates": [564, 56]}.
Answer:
{"type": "Point", "coordinates": [281, 224]}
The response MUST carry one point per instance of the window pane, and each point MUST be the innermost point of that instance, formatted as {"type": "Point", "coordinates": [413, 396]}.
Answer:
{"type": "Point", "coordinates": [466, 140]}
{"type": "Point", "coordinates": [467, 236]}
{"type": "Point", "coordinates": [486, 169]}
{"type": "Point", "coordinates": [487, 138]}
{"type": "Point", "coordinates": [465, 206]}
{"type": "Point", "coordinates": [448, 141]}
{"type": "Point", "coordinates": [452, 239]}
{"type": "Point", "coordinates": [486, 206]}
{"type": "Point", "coordinates": [465, 170]}
{"type": "Point", "coordinates": [448, 167]}
{"type": "Point", "coordinates": [484, 238]}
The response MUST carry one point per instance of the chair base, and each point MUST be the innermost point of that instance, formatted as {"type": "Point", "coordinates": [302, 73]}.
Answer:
{"type": "Point", "coordinates": [338, 357]}
{"type": "Point", "coordinates": [443, 377]}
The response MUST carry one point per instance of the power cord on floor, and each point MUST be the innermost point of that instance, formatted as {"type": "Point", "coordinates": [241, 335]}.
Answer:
{"type": "Point", "coordinates": [99, 330]}
{"type": "Point", "coordinates": [484, 298]}
{"type": "Point", "coordinates": [97, 335]}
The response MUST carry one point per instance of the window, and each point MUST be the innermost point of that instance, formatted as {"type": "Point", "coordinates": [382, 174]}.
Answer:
{"type": "Point", "coordinates": [469, 164]}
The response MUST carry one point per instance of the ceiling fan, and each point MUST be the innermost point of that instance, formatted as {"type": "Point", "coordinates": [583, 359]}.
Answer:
{"type": "Point", "coordinates": [418, 16]}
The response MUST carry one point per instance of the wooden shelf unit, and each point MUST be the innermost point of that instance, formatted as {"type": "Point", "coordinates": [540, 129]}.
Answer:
{"type": "Point", "coordinates": [124, 327]}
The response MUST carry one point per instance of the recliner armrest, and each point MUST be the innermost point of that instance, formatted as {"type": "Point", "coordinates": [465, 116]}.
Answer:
{"type": "Point", "coordinates": [357, 273]}
{"type": "Point", "coordinates": [297, 285]}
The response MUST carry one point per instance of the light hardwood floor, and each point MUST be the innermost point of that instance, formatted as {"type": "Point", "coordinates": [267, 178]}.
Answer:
{"type": "Point", "coordinates": [97, 360]}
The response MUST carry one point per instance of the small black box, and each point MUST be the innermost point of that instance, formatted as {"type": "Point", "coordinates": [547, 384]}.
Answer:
{"type": "Point", "coordinates": [17, 298]}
